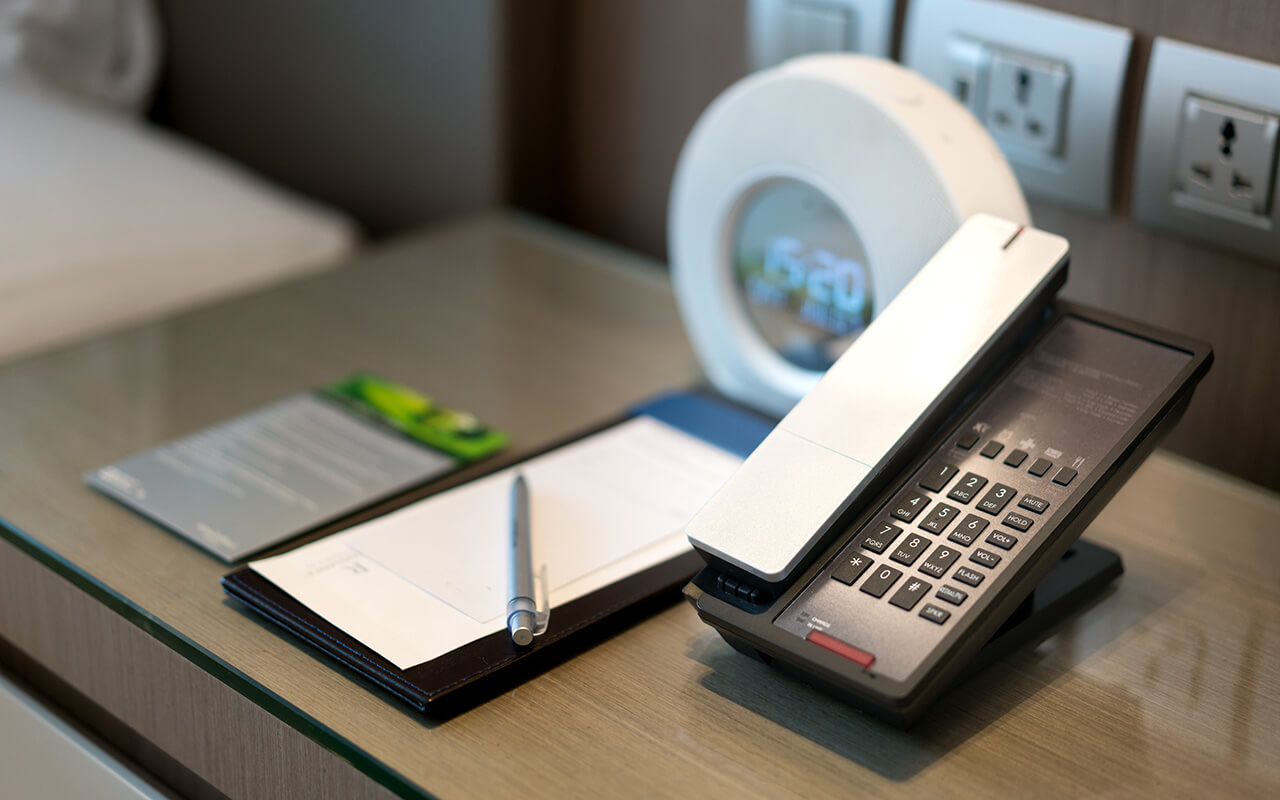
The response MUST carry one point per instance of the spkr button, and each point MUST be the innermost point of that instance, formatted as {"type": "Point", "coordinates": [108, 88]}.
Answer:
{"type": "Point", "coordinates": [935, 614]}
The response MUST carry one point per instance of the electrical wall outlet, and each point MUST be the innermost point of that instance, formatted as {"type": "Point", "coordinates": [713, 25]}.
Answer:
{"type": "Point", "coordinates": [1046, 85]}
{"type": "Point", "coordinates": [1026, 103]}
{"type": "Point", "coordinates": [782, 29]}
{"type": "Point", "coordinates": [1207, 148]}
{"type": "Point", "coordinates": [1226, 157]}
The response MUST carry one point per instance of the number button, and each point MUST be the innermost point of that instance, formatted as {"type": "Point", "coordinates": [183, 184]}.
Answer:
{"type": "Point", "coordinates": [879, 539]}
{"type": "Point", "coordinates": [939, 561]}
{"type": "Point", "coordinates": [851, 569]}
{"type": "Point", "coordinates": [938, 476]}
{"type": "Point", "coordinates": [880, 581]}
{"type": "Point", "coordinates": [969, 529]}
{"type": "Point", "coordinates": [909, 506]}
{"type": "Point", "coordinates": [968, 487]}
{"type": "Point", "coordinates": [997, 498]}
{"type": "Point", "coordinates": [939, 518]}
{"type": "Point", "coordinates": [910, 550]}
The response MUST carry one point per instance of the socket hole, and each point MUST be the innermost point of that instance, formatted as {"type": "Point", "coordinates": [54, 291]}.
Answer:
{"type": "Point", "coordinates": [962, 91]}
{"type": "Point", "coordinates": [1202, 173]}
{"type": "Point", "coordinates": [1228, 133]}
{"type": "Point", "coordinates": [1035, 128]}
{"type": "Point", "coordinates": [1024, 87]}
{"type": "Point", "coordinates": [1240, 184]}
{"type": "Point", "coordinates": [1002, 119]}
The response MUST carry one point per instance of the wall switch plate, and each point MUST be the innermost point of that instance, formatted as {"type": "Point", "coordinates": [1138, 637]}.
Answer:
{"type": "Point", "coordinates": [782, 29]}
{"type": "Point", "coordinates": [1046, 85]}
{"type": "Point", "coordinates": [1207, 148]}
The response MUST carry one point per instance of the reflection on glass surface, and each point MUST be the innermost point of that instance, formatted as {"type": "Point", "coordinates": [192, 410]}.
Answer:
{"type": "Point", "coordinates": [801, 273]}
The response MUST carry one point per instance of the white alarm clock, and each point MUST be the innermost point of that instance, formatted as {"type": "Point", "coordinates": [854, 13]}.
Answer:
{"type": "Point", "coordinates": [805, 198]}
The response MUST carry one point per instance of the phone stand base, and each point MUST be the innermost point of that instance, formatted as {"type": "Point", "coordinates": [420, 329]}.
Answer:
{"type": "Point", "coordinates": [1077, 579]}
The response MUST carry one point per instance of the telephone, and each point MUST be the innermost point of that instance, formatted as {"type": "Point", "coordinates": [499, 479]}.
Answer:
{"type": "Point", "coordinates": [900, 516]}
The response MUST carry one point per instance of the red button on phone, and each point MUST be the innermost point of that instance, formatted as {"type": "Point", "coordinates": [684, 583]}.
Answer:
{"type": "Point", "coordinates": [840, 648]}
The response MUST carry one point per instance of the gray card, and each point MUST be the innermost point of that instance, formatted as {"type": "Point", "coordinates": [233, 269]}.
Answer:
{"type": "Point", "coordinates": [244, 485]}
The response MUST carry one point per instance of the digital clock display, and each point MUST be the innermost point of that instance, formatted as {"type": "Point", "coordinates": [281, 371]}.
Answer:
{"type": "Point", "coordinates": [801, 273]}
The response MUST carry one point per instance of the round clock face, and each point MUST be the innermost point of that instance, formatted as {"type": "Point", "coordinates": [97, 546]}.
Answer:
{"type": "Point", "coordinates": [801, 272]}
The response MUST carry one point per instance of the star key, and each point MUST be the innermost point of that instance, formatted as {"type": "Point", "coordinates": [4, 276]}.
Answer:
{"type": "Point", "coordinates": [851, 569]}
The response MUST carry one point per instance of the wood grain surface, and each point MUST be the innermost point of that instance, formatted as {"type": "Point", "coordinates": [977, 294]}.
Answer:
{"type": "Point", "coordinates": [1169, 684]}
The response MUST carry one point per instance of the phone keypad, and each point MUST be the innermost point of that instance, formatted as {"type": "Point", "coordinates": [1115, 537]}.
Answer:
{"type": "Point", "coordinates": [939, 518]}
{"type": "Point", "coordinates": [880, 537]}
{"type": "Point", "coordinates": [967, 487]}
{"type": "Point", "coordinates": [909, 506]}
{"type": "Point", "coordinates": [969, 529]}
{"type": "Point", "coordinates": [955, 531]}
{"type": "Point", "coordinates": [910, 549]}
{"type": "Point", "coordinates": [997, 498]}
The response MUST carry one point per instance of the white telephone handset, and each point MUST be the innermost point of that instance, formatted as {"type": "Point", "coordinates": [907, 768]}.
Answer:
{"type": "Point", "coordinates": [894, 385]}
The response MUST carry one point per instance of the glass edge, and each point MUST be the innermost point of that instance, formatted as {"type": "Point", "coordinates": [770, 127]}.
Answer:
{"type": "Point", "coordinates": [236, 680]}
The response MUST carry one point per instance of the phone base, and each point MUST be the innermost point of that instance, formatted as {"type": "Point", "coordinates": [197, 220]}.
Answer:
{"type": "Point", "coordinates": [1082, 572]}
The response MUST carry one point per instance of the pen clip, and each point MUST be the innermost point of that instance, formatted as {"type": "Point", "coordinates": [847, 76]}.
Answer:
{"type": "Point", "coordinates": [541, 614]}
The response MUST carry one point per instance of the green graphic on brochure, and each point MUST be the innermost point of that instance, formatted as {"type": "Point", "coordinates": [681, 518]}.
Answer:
{"type": "Point", "coordinates": [418, 416]}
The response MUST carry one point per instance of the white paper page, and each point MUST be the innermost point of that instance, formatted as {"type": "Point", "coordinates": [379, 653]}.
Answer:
{"type": "Point", "coordinates": [430, 577]}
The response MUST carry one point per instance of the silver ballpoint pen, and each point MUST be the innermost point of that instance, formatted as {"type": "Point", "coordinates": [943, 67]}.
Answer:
{"type": "Point", "coordinates": [522, 616]}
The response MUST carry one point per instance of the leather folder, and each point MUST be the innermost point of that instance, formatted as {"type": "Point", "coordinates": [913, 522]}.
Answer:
{"type": "Point", "coordinates": [486, 666]}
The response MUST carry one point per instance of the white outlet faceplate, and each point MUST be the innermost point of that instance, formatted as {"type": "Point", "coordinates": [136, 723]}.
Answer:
{"type": "Point", "coordinates": [782, 29]}
{"type": "Point", "coordinates": [1207, 148]}
{"type": "Point", "coordinates": [1046, 85]}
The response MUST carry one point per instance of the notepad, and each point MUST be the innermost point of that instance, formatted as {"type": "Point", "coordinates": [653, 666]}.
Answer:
{"type": "Point", "coordinates": [431, 577]}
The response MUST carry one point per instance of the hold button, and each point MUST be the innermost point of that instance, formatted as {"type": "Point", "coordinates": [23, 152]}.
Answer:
{"type": "Point", "coordinates": [860, 657]}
